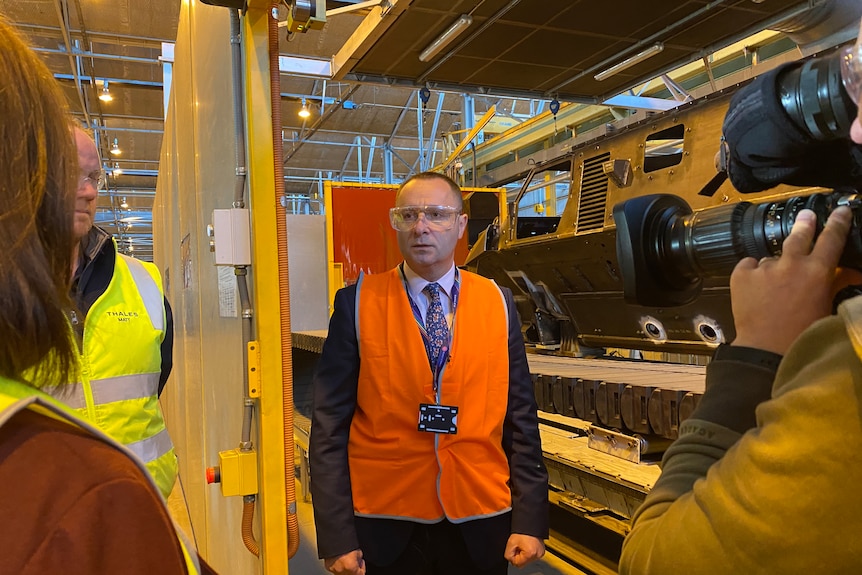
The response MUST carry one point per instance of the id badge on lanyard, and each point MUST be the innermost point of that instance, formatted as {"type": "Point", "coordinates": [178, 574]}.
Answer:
{"type": "Point", "coordinates": [434, 417]}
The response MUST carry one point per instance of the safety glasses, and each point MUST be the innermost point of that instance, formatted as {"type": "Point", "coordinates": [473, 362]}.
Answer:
{"type": "Point", "coordinates": [438, 218]}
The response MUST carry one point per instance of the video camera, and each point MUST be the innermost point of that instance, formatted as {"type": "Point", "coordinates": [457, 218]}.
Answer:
{"type": "Point", "coordinates": [789, 126]}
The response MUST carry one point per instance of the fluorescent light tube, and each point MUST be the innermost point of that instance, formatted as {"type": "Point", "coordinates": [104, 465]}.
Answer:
{"type": "Point", "coordinates": [629, 62]}
{"type": "Point", "coordinates": [446, 38]}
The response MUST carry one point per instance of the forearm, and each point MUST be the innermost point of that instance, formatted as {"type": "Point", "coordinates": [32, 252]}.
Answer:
{"type": "Point", "coordinates": [737, 380]}
{"type": "Point", "coordinates": [330, 485]}
{"type": "Point", "coordinates": [529, 479]}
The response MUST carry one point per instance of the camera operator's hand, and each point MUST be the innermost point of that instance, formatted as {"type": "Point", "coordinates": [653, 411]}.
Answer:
{"type": "Point", "coordinates": [776, 299]}
{"type": "Point", "coordinates": [856, 131]}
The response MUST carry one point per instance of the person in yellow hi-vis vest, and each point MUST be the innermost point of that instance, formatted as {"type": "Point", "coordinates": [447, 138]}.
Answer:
{"type": "Point", "coordinates": [74, 500]}
{"type": "Point", "coordinates": [125, 328]}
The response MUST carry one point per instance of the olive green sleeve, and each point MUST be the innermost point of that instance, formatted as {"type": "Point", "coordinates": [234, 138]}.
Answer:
{"type": "Point", "coordinates": [778, 497]}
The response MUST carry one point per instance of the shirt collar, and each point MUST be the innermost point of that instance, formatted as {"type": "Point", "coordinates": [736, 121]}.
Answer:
{"type": "Point", "coordinates": [416, 283]}
{"type": "Point", "coordinates": [89, 247]}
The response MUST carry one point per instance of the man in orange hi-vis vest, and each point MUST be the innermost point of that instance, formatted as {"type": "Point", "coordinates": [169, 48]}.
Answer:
{"type": "Point", "coordinates": [423, 399]}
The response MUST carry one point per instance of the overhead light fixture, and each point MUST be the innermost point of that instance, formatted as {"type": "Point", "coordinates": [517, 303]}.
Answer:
{"type": "Point", "coordinates": [115, 148]}
{"type": "Point", "coordinates": [304, 112]}
{"type": "Point", "coordinates": [629, 62]}
{"type": "Point", "coordinates": [117, 169]}
{"type": "Point", "coordinates": [446, 38]}
{"type": "Point", "coordinates": [124, 204]}
{"type": "Point", "coordinates": [105, 96]}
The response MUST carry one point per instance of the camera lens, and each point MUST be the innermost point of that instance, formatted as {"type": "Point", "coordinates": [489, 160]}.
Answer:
{"type": "Point", "coordinates": [716, 239]}
{"type": "Point", "coordinates": [665, 250]}
{"type": "Point", "coordinates": [814, 97]}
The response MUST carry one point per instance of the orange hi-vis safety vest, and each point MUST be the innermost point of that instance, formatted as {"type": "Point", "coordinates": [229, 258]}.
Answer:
{"type": "Point", "coordinates": [397, 471]}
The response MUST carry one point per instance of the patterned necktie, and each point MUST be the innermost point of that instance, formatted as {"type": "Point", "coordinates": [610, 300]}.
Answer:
{"type": "Point", "coordinates": [435, 325]}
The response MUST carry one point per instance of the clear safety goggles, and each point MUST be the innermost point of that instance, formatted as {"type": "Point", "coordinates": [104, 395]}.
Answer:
{"type": "Point", "coordinates": [438, 218]}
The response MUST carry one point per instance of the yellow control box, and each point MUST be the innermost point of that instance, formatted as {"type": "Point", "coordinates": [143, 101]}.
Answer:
{"type": "Point", "coordinates": [238, 470]}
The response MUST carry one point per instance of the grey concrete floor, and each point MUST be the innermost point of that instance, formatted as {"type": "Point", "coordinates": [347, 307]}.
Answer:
{"type": "Point", "coordinates": [305, 562]}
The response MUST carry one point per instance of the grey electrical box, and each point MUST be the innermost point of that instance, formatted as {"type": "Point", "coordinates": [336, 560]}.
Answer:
{"type": "Point", "coordinates": [232, 237]}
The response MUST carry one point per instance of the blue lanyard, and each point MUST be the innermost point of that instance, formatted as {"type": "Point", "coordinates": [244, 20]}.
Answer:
{"type": "Point", "coordinates": [443, 358]}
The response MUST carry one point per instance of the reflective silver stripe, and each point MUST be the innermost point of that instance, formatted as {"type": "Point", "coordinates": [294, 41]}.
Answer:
{"type": "Point", "coordinates": [123, 387]}
{"type": "Point", "coordinates": [152, 448]}
{"type": "Point", "coordinates": [109, 390]}
{"type": "Point", "coordinates": [505, 304]}
{"type": "Point", "coordinates": [149, 290]}
{"type": "Point", "coordinates": [72, 395]}
{"type": "Point", "coordinates": [356, 311]}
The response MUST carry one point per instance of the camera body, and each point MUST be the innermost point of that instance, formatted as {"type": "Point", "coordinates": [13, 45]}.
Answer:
{"type": "Point", "coordinates": [789, 126]}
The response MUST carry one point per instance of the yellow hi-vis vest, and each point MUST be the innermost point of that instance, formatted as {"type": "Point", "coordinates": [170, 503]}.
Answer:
{"type": "Point", "coordinates": [16, 397]}
{"type": "Point", "coordinates": [397, 471]}
{"type": "Point", "coordinates": [121, 364]}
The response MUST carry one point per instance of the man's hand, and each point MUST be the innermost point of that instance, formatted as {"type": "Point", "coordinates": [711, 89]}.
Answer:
{"type": "Point", "coordinates": [523, 549]}
{"type": "Point", "coordinates": [776, 299]}
{"type": "Point", "coordinates": [348, 564]}
{"type": "Point", "coordinates": [856, 130]}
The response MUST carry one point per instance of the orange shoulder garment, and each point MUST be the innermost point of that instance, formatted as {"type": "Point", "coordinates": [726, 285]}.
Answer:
{"type": "Point", "coordinates": [397, 471]}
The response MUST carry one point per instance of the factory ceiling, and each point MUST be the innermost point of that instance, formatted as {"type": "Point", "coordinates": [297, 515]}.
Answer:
{"type": "Point", "coordinates": [514, 54]}
{"type": "Point", "coordinates": [554, 48]}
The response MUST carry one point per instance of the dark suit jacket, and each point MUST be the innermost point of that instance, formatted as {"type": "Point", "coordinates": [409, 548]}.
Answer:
{"type": "Point", "coordinates": [382, 540]}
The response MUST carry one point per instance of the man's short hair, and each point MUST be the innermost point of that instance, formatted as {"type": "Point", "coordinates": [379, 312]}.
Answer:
{"type": "Point", "coordinates": [453, 186]}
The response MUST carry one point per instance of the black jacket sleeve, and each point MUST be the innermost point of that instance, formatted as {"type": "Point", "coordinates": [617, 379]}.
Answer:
{"type": "Point", "coordinates": [738, 379]}
{"type": "Point", "coordinates": [333, 405]}
{"type": "Point", "coordinates": [167, 348]}
{"type": "Point", "coordinates": [521, 441]}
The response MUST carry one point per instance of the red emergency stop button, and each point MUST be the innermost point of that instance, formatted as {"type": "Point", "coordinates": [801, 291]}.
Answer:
{"type": "Point", "coordinates": [213, 475]}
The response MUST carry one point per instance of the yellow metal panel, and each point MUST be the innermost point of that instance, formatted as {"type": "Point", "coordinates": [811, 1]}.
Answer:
{"type": "Point", "coordinates": [550, 198]}
{"type": "Point", "coordinates": [331, 271]}
{"type": "Point", "coordinates": [336, 282]}
{"type": "Point", "coordinates": [265, 277]}
{"type": "Point", "coordinates": [253, 369]}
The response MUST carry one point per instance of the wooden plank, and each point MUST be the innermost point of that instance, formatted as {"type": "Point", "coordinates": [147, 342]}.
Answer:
{"type": "Point", "coordinates": [575, 451]}
{"type": "Point", "coordinates": [642, 373]}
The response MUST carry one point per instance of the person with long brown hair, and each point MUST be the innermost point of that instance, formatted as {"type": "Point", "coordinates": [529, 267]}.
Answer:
{"type": "Point", "coordinates": [72, 500]}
